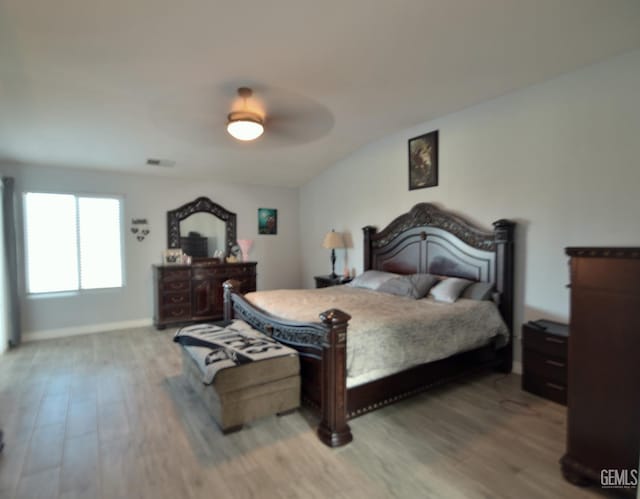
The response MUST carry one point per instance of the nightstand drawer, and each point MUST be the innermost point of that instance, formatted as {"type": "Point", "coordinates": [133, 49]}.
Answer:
{"type": "Point", "coordinates": [325, 281]}
{"type": "Point", "coordinates": [550, 344]}
{"type": "Point", "coordinates": [544, 366]}
{"type": "Point", "coordinates": [544, 387]}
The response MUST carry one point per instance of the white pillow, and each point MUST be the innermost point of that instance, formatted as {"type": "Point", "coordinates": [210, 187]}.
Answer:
{"type": "Point", "coordinates": [448, 290]}
{"type": "Point", "coordinates": [371, 279]}
{"type": "Point", "coordinates": [414, 285]}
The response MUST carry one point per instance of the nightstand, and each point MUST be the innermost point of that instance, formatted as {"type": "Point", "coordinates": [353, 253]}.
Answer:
{"type": "Point", "coordinates": [324, 281]}
{"type": "Point", "coordinates": [544, 359]}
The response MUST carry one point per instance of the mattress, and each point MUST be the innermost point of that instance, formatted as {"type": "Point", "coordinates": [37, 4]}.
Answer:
{"type": "Point", "coordinates": [388, 334]}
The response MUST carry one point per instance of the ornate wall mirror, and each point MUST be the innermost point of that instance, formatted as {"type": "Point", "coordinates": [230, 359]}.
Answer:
{"type": "Point", "coordinates": [200, 228]}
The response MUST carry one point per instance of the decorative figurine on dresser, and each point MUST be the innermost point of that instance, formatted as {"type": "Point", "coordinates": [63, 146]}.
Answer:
{"type": "Point", "coordinates": [603, 418]}
{"type": "Point", "coordinates": [191, 293]}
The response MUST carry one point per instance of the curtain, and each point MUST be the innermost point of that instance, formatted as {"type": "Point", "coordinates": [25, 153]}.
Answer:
{"type": "Point", "coordinates": [9, 301]}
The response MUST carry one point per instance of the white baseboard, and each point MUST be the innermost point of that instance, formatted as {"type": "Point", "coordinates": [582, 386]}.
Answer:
{"type": "Point", "coordinates": [517, 367]}
{"type": "Point", "coordinates": [48, 334]}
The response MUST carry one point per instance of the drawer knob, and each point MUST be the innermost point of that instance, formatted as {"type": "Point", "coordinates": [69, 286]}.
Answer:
{"type": "Point", "coordinates": [554, 363]}
{"type": "Point", "coordinates": [177, 299]}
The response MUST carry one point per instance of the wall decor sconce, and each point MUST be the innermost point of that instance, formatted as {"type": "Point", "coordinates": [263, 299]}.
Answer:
{"type": "Point", "coordinates": [140, 228]}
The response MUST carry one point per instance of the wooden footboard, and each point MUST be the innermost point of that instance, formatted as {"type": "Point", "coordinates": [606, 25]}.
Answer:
{"type": "Point", "coordinates": [323, 358]}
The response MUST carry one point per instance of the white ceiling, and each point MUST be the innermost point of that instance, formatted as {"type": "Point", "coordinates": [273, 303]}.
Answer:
{"type": "Point", "coordinates": [107, 84]}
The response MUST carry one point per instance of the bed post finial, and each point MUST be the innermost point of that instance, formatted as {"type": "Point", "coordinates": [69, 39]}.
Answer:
{"type": "Point", "coordinates": [231, 286]}
{"type": "Point", "coordinates": [369, 231]}
{"type": "Point", "coordinates": [504, 231]}
{"type": "Point", "coordinates": [334, 430]}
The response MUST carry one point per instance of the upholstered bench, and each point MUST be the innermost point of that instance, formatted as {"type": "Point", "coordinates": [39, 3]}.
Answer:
{"type": "Point", "coordinates": [248, 390]}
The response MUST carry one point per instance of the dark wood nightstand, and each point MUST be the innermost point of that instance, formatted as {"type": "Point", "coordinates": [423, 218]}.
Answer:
{"type": "Point", "coordinates": [544, 359]}
{"type": "Point", "coordinates": [324, 281]}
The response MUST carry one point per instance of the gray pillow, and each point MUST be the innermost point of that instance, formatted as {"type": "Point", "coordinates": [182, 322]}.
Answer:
{"type": "Point", "coordinates": [478, 291]}
{"type": "Point", "coordinates": [371, 279]}
{"type": "Point", "coordinates": [414, 285]}
{"type": "Point", "coordinates": [448, 290]}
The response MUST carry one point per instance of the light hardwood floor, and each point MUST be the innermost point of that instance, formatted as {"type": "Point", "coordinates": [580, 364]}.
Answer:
{"type": "Point", "coordinates": [109, 416]}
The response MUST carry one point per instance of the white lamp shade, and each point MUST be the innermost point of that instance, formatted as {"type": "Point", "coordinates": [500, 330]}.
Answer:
{"type": "Point", "coordinates": [245, 129]}
{"type": "Point", "coordinates": [333, 240]}
{"type": "Point", "coordinates": [245, 125]}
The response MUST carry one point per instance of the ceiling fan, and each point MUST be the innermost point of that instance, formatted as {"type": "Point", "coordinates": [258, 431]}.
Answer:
{"type": "Point", "coordinates": [246, 124]}
{"type": "Point", "coordinates": [277, 117]}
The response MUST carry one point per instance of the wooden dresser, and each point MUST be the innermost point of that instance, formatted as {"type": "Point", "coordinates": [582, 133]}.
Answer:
{"type": "Point", "coordinates": [603, 421]}
{"type": "Point", "coordinates": [189, 293]}
{"type": "Point", "coordinates": [544, 359]}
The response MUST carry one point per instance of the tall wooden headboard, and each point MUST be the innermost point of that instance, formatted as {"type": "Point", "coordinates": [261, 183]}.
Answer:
{"type": "Point", "coordinates": [428, 239]}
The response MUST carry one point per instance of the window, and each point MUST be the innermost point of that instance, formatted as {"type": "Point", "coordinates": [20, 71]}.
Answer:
{"type": "Point", "coordinates": [72, 242]}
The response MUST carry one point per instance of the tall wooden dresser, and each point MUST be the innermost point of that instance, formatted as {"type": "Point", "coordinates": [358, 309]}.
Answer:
{"type": "Point", "coordinates": [189, 293]}
{"type": "Point", "coordinates": [603, 422]}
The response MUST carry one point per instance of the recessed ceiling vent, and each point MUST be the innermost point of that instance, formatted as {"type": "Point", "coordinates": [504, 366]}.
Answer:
{"type": "Point", "coordinates": [165, 163]}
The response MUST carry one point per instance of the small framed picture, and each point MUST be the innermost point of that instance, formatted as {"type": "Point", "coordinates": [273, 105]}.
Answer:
{"type": "Point", "coordinates": [267, 221]}
{"type": "Point", "coordinates": [423, 161]}
{"type": "Point", "coordinates": [172, 256]}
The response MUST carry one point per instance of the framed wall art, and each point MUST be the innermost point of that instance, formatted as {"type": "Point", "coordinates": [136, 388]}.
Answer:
{"type": "Point", "coordinates": [267, 221]}
{"type": "Point", "coordinates": [423, 161]}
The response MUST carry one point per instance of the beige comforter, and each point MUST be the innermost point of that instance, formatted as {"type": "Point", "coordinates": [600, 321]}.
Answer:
{"type": "Point", "coordinates": [388, 334]}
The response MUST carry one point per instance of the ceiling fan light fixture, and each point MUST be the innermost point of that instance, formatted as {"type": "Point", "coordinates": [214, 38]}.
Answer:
{"type": "Point", "coordinates": [245, 125]}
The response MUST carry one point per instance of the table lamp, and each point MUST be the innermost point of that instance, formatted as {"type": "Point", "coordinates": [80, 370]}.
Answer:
{"type": "Point", "coordinates": [332, 241]}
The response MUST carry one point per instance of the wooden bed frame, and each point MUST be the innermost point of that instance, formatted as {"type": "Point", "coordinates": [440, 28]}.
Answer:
{"type": "Point", "coordinates": [426, 239]}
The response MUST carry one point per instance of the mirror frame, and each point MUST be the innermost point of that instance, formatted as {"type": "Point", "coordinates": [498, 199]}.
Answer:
{"type": "Point", "coordinates": [201, 204]}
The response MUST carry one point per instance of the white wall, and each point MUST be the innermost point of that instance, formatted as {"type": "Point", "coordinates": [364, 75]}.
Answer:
{"type": "Point", "coordinates": [559, 158]}
{"type": "Point", "coordinates": [149, 197]}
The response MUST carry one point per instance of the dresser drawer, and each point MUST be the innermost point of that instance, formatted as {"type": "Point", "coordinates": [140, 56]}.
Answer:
{"type": "Point", "coordinates": [174, 274]}
{"type": "Point", "coordinates": [175, 312]}
{"type": "Point", "coordinates": [615, 274]}
{"type": "Point", "coordinates": [553, 345]}
{"type": "Point", "coordinates": [544, 387]}
{"type": "Point", "coordinates": [176, 298]}
{"type": "Point", "coordinates": [240, 270]}
{"type": "Point", "coordinates": [174, 286]}
{"type": "Point", "coordinates": [544, 366]}
{"type": "Point", "coordinates": [203, 273]}
{"type": "Point", "coordinates": [247, 284]}
{"type": "Point", "coordinates": [187, 293]}
{"type": "Point", "coordinates": [223, 272]}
